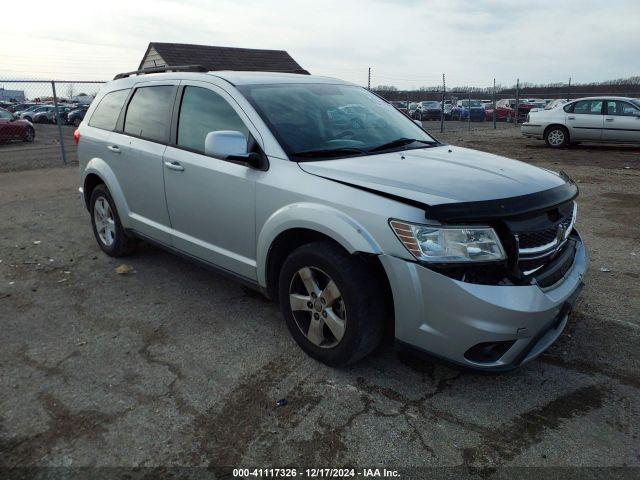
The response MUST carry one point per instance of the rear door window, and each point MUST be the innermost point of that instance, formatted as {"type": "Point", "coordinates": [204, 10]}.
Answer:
{"type": "Point", "coordinates": [621, 109]}
{"type": "Point", "coordinates": [148, 113]}
{"type": "Point", "coordinates": [106, 114]}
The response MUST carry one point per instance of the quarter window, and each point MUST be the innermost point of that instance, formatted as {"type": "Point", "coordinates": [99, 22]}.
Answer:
{"type": "Point", "coordinates": [148, 113]}
{"type": "Point", "coordinates": [203, 111]}
{"type": "Point", "coordinates": [106, 114]}
{"type": "Point", "coordinates": [588, 107]}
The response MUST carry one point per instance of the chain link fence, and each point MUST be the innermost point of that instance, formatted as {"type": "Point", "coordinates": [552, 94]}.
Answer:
{"type": "Point", "coordinates": [442, 109]}
{"type": "Point", "coordinates": [40, 116]}
{"type": "Point", "coordinates": [38, 119]}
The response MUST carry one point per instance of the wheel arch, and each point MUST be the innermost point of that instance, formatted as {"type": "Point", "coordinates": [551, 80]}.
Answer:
{"type": "Point", "coordinates": [96, 172]}
{"type": "Point", "coordinates": [295, 225]}
{"type": "Point", "coordinates": [556, 124]}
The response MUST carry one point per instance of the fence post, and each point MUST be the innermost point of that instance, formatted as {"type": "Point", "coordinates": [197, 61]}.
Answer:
{"type": "Point", "coordinates": [494, 104]}
{"type": "Point", "coordinates": [515, 121]}
{"type": "Point", "coordinates": [469, 112]}
{"type": "Point", "coordinates": [55, 104]}
{"type": "Point", "coordinates": [442, 105]}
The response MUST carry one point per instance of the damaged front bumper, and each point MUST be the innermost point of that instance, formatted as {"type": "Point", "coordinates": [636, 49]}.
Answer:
{"type": "Point", "coordinates": [488, 327]}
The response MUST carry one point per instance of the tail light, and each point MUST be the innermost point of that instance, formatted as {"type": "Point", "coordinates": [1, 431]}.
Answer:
{"type": "Point", "coordinates": [76, 136]}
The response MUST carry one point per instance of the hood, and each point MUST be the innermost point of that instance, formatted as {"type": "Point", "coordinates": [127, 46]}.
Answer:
{"type": "Point", "coordinates": [438, 175]}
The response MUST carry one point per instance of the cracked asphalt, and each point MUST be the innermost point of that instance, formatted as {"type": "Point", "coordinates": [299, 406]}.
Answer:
{"type": "Point", "coordinates": [174, 365]}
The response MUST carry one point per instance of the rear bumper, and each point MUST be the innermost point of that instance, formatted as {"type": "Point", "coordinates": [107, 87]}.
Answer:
{"type": "Point", "coordinates": [532, 130]}
{"type": "Point", "coordinates": [446, 317]}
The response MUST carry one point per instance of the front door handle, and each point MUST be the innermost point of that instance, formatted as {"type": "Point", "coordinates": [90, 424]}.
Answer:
{"type": "Point", "coordinates": [174, 166]}
{"type": "Point", "coordinates": [571, 118]}
{"type": "Point", "coordinates": [114, 148]}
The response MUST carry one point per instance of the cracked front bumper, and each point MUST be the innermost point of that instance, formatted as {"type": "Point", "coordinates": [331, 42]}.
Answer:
{"type": "Point", "coordinates": [447, 317]}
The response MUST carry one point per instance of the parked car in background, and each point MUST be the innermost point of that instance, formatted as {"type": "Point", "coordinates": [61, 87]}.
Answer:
{"type": "Point", "coordinates": [537, 104]}
{"type": "Point", "coordinates": [448, 108]}
{"type": "Point", "coordinates": [558, 102]}
{"type": "Point", "coordinates": [428, 110]}
{"type": "Point", "coordinates": [591, 119]}
{"type": "Point", "coordinates": [23, 107]}
{"type": "Point", "coordinates": [412, 109]}
{"type": "Point", "coordinates": [76, 115]}
{"type": "Point", "coordinates": [49, 115]}
{"type": "Point", "coordinates": [357, 232]}
{"type": "Point", "coordinates": [504, 111]}
{"type": "Point", "coordinates": [12, 128]}
{"type": "Point", "coordinates": [29, 113]}
{"type": "Point", "coordinates": [524, 106]}
{"type": "Point", "coordinates": [402, 106]}
{"type": "Point", "coordinates": [473, 109]}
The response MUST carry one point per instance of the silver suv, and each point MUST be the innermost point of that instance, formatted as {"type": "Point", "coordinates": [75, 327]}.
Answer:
{"type": "Point", "coordinates": [360, 229]}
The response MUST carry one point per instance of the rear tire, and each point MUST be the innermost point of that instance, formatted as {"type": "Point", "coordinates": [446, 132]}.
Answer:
{"type": "Point", "coordinates": [107, 226]}
{"type": "Point", "coordinates": [348, 324]}
{"type": "Point", "coordinates": [557, 136]}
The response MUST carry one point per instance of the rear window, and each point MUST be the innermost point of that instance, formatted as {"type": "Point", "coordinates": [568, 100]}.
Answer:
{"type": "Point", "coordinates": [148, 113]}
{"type": "Point", "coordinates": [106, 114]}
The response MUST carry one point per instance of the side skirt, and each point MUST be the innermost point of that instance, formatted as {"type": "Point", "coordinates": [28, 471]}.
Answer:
{"type": "Point", "coordinates": [247, 282]}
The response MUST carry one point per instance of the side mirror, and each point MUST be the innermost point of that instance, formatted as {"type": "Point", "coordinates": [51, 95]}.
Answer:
{"type": "Point", "coordinates": [232, 145]}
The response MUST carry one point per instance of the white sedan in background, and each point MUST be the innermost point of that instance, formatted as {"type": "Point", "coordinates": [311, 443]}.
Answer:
{"type": "Point", "coordinates": [593, 119]}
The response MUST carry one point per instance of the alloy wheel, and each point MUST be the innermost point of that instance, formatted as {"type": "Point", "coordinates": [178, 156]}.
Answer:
{"type": "Point", "coordinates": [104, 221]}
{"type": "Point", "coordinates": [317, 307]}
{"type": "Point", "coordinates": [556, 137]}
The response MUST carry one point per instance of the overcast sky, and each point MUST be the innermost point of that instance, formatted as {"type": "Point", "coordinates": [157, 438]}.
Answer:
{"type": "Point", "coordinates": [407, 43]}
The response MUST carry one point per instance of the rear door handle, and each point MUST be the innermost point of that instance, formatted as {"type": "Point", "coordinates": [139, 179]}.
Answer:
{"type": "Point", "coordinates": [609, 119]}
{"type": "Point", "coordinates": [174, 166]}
{"type": "Point", "coordinates": [114, 148]}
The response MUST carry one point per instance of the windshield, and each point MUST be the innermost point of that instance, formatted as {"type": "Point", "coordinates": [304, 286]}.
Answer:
{"type": "Point", "coordinates": [332, 121]}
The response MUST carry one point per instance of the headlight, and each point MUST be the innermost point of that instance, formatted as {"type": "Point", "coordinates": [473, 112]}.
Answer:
{"type": "Point", "coordinates": [449, 245]}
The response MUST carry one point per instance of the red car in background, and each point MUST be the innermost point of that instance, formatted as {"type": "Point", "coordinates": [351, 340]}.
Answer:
{"type": "Point", "coordinates": [506, 109]}
{"type": "Point", "coordinates": [12, 128]}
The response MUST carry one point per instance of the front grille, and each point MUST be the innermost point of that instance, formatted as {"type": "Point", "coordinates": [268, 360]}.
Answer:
{"type": "Point", "coordinates": [560, 266]}
{"type": "Point", "coordinates": [539, 238]}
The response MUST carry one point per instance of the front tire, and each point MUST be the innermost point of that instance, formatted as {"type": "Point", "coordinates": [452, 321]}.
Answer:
{"type": "Point", "coordinates": [557, 137]}
{"type": "Point", "coordinates": [106, 224]}
{"type": "Point", "coordinates": [332, 302]}
{"type": "Point", "coordinates": [29, 135]}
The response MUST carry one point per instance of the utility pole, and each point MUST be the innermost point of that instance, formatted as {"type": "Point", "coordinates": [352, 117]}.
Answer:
{"type": "Point", "coordinates": [369, 80]}
{"type": "Point", "coordinates": [569, 90]}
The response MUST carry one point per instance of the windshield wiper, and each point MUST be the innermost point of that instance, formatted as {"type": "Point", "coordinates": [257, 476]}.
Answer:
{"type": "Point", "coordinates": [399, 142]}
{"type": "Point", "coordinates": [331, 152]}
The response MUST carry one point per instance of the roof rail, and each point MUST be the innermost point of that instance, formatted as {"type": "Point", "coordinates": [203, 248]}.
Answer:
{"type": "Point", "coordinates": [177, 68]}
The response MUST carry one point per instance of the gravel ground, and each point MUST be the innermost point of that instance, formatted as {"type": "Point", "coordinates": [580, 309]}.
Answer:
{"type": "Point", "coordinates": [174, 365]}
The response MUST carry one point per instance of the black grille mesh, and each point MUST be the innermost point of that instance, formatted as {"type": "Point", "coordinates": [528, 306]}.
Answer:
{"type": "Point", "coordinates": [541, 237]}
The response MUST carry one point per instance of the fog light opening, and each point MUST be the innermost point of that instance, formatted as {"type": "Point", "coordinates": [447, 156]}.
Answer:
{"type": "Point", "coordinates": [488, 352]}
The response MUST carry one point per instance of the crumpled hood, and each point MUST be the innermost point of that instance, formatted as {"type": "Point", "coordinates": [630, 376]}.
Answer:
{"type": "Point", "coordinates": [438, 175]}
